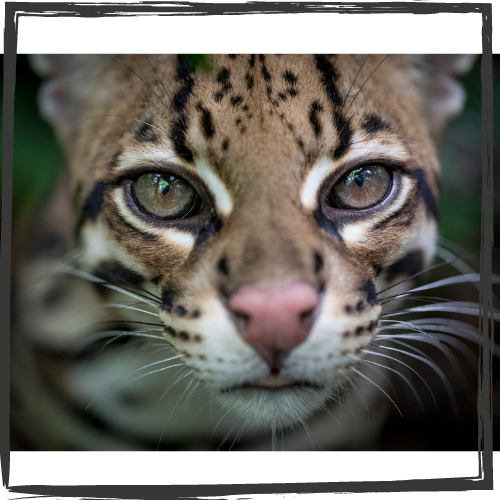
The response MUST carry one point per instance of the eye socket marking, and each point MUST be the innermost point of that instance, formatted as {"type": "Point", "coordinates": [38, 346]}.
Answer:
{"type": "Point", "coordinates": [361, 188]}
{"type": "Point", "coordinates": [165, 196]}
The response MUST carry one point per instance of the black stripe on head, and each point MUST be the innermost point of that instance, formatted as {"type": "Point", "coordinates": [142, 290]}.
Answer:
{"type": "Point", "coordinates": [117, 274]}
{"type": "Point", "coordinates": [412, 263]}
{"type": "Point", "coordinates": [425, 192]}
{"type": "Point", "coordinates": [316, 108]}
{"type": "Point", "coordinates": [329, 77]}
{"type": "Point", "coordinates": [211, 227]}
{"type": "Point", "coordinates": [374, 124]}
{"type": "Point", "coordinates": [249, 80]}
{"type": "Point", "coordinates": [178, 137]}
{"type": "Point", "coordinates": [185, 69]}
{"type": "Point", "coordinates": [345, 134]}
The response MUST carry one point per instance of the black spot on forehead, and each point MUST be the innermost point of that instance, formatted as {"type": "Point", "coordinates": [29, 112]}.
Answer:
{"type": "Point", "coordinates": [290, 77]}
{"type": "Point", "coordinates": [374, 124]}
{"type": "Point", "coordinates": [249, 80]}
{"type": "Point", "coordinates": [223, 75]}
{"type": "Point", "coordinates": [206, 122]}
{"type": "Point", "coordinates": [235, 100]}
{"type": "Point", "coordinates": [314, 111]}
{"type": "Point", "coordinates": [265, 73]}
{"type": "Point", "coordinates": [146, 133]}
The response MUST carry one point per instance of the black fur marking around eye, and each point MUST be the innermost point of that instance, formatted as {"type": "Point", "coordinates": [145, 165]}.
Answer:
{"type": "Point", "coordinates": [405, 210]}
{"type": "Point", "coordinates": [146, 133]}
{"type": "Point", "coordinates": [425, 192]}
{"type": "Point", "coordinates": [318, 262]}
{"type": "Point", "coordinates": [412, 263]}
{"type": "Point", "coordinates": [115, 273]}
{"type": "Point", "coordinates": [290, 77]}
{"type": "Point", "coordinates": [314, 118]}
{"type": "Point", "coordinates": [325, 223]}
{"type": "Point", "coordinates": [180, 311]}
{"type": "Point", "coordinates": [369, 288]}
{"type": "Point", "coordinates": [132, 229]}
{"type": "Point", "coordinates": [329, 77]}
{"type": "Point", "coordinates": [206, 122]}
{"type": "Point", "coordinates": [375, 124]}
{"type": "Point", "coordinates": [345, 134]}
{"type": "Point", "coordinates": [94, 201]}
{"type": "Point", "coordinates": [211, 227]}
{"type": "Point", "coordinates": [236, 100]}
{"type": "Point", "coordinates": [222, 266]}
{"type": "Point", "coordinates": [167, 299]}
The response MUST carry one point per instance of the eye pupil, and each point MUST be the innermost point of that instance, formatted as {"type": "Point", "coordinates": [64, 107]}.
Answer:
{"type": "Point", "coordinates": [361, 188]}
{"type": "Point", "coordinates": [164, 185]}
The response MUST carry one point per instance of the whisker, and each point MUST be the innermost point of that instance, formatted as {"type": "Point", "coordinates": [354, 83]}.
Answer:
{"type": "Point", "coordinates": [374, 353]}
{"type": "Point", "coordinates": [415, 393]}
{"type": "Point", "coordinates": [378, 387]}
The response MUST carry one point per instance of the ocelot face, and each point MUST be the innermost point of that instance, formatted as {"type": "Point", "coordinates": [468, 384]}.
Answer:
{"type": "Point", "coordinates": [260, 202]}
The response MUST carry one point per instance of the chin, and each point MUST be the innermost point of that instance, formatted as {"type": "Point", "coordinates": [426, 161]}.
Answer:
{"type": "Point", "coordinates": [273, 408]}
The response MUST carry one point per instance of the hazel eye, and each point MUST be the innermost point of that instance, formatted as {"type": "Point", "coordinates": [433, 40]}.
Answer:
{"type": "Point", "coordinates": [164, 195]}
{"type": "Point", "coordinates": [361, 188]}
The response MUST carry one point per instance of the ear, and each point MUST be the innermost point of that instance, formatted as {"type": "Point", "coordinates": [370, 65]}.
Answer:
{"type": "Point", "coordinates": [444, 97]}
{"type": "Point", "coordinates": [62, 97]}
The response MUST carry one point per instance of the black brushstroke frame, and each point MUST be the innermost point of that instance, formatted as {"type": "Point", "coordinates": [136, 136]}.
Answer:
{"type": "Point", "coordinates": [484, 479]}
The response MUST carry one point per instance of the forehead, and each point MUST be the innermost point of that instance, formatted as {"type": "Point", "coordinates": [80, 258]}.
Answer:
{"type": "Point", "coordinates": [249, 112]}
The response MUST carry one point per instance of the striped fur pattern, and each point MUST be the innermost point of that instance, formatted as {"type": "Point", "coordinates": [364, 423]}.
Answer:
{"type": "Point", "coordinates": [262, 140]}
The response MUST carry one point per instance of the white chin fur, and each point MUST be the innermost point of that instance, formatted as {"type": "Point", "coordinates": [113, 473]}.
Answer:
{"type": "Point", "coordinates": [278, 409]}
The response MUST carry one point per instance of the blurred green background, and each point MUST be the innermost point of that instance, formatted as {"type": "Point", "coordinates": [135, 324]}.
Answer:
{"type": "Point", "coordinates": [37, 159]}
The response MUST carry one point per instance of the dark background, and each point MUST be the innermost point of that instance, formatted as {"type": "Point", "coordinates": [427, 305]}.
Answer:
{"type": "Point", "coordinates": [37, 160]}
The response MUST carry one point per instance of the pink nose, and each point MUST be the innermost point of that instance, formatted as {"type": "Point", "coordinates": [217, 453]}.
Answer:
{"type": "Point", "coordinates": [274, 321]}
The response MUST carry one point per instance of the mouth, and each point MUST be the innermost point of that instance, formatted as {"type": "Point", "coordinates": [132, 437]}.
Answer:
{"type": "Point", "coordinates": [273, 383]}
